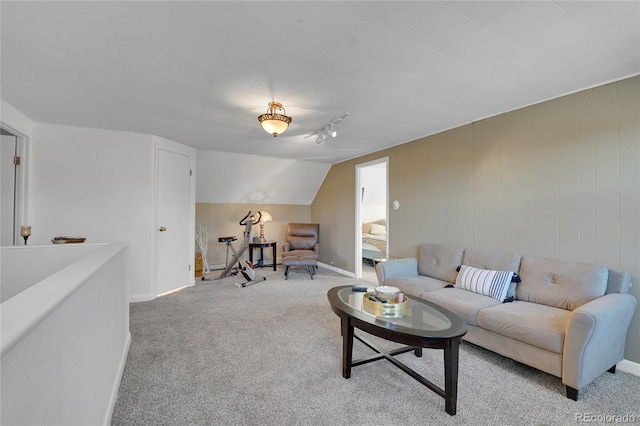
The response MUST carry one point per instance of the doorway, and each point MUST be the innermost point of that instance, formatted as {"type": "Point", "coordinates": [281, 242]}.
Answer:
{"type": "Point", "coordinates": [12, 147]}
{"type": "Point", "coordinates": [372, 213]}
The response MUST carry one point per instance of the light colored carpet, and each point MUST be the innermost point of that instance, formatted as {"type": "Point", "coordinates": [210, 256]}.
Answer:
{"type": "Point", "coordinates": [270, 354]}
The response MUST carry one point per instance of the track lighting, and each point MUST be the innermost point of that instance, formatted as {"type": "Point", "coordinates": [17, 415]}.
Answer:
{"type": "Point", "coordinates": [327, 130]}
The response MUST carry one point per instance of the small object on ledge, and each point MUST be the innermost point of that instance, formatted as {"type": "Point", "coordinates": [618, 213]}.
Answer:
{"type": "Point", "coordinates": [25, 232]}
{"type": "Point", "coordinates": [68, 240]}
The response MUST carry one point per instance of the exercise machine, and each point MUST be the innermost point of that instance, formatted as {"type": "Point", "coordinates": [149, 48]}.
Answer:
{"type": "Point", "coordinates": [244, 266]}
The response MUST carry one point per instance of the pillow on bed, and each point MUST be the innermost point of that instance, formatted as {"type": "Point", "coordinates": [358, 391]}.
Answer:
{"type": "Point", "coordinates": [377, 229]}
{"type": "Point", "coordinates": [366, 228]}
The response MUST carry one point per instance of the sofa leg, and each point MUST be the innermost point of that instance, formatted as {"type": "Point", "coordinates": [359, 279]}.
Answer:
{"type": "Point", "coordinates": [286, 272]}
{"type": "Point", "coordinates": [572, 393]}
{"type": "Point", "coordinates": [612, 370]}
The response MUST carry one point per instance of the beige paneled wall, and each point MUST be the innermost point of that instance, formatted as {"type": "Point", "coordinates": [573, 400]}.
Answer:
{"type": "Point", "coordinates": [560, 179]}
{"type": "Point", "coordinates": [221, 220]}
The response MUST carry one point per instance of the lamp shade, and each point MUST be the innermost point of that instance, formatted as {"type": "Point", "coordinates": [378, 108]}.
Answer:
{"type": "Point", "coordinates": [265, 216]}
{"type": "Point", "coordinates": [275, 121]}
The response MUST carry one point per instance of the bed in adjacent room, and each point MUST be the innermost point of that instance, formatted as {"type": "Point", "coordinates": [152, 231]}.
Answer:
{"type": "Point", "coordinates": [374, 240]}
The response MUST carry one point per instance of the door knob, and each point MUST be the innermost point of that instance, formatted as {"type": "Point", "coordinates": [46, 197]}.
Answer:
{"type": "Point", "coordinates": [162, 229]}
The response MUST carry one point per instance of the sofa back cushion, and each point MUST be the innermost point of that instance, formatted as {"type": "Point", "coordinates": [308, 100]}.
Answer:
{"type": "Point", "coordinates": [439, 261]}
{"type": "Point", "coordinates": [564, 285]}
{"type": "Point", "coordinates": [487, 259]}
{"type": "Point", "coordinates": [619, 281]}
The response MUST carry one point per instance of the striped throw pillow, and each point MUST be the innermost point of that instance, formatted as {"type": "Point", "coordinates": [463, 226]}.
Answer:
{"type": "Point", "coordinates": [484, 281]}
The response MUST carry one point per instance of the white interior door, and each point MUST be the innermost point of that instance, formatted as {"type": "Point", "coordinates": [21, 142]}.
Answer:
{"type": "Point", "coordinates": [173, 221]}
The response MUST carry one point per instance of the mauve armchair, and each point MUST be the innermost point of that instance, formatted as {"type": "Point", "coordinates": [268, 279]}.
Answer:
{"type": "Point", "coordinates": [302, 240]}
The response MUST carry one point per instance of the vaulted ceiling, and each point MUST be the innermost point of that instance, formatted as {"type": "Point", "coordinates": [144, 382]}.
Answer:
{"type": "Point", "coordinates": [201, 72]}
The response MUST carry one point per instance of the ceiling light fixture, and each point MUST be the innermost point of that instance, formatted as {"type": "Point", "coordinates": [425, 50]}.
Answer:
{"type": "Point", "coordinates": [275, 121]}
{"type": "Point", "coordinates": [327, 130]}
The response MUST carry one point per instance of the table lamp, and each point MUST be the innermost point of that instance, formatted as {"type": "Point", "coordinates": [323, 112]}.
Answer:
{"type": "Point", "coordinates": [264, 217]}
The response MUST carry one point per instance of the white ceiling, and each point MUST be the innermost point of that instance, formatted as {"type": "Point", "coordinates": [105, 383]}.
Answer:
{"type": "Point", "coordinates": [201, 72]}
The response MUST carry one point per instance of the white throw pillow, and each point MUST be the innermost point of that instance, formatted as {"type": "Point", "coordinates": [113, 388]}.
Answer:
{"type": "Point", "coordinates": [377, 229]}
{"type": "Point", "coordinates": [484, 281]}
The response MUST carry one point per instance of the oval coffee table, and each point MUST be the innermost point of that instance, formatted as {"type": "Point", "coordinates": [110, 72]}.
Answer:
{"type": "Point", "coordinates": [421, 325]}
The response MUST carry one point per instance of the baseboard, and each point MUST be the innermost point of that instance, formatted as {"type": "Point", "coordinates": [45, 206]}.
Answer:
{"type": "Point", "coordinates": [629, 367]}
{"type": "Point", "coordinates": [338, 270]}
{"type": "Point", "coordinates": [141, 298]}
{"type": "Point", "coordinates": [116, 386]}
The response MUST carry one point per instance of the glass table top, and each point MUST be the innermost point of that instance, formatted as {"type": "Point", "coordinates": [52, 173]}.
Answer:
{"type": "Point", "coordinates": [419, 317]}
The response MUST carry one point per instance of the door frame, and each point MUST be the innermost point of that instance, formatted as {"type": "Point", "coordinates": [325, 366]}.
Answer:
{"type": "Point", "coordinates": [175, 148]}
{"type": "Point", "coordinates": [21, 183]}
{"type": "Point", "coordinates": [358, 225]}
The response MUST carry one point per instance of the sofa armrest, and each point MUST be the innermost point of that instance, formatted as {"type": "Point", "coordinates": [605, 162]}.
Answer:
{"type": "Point", "coordinates": [407, 267]}
{"type": "Point", "coordinates": [595, 338]}
{"type": "Point", "coordinates": [286, 247]}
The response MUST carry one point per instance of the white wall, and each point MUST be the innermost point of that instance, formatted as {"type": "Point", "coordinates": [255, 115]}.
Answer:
{"type": "Point", "coordinates": [97, 184]}
{"type": "Point", "coordinates": [224, 177]}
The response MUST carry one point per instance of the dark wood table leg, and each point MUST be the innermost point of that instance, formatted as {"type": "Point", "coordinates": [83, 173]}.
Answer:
{"type": "Point", "coordinates": [251, 254]}
{"type": "Point", "coordinates": [347, 346]}
{"type": "Point", "coordinates": [418, 352]}
{"type": "Point", "coordinates": [451, 376]}
{"type": "Point", "coordinates": [274, 256]}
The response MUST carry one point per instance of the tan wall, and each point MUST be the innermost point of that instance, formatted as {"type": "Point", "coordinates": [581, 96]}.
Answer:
{"type": "Point", "coordinates": [560, 179]}
{"type": "Point", "coordinates": [221, 220]}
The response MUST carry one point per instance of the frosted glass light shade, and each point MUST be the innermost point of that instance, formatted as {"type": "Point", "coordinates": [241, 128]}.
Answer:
{"type": "Point", "coordinates": [274, 121]}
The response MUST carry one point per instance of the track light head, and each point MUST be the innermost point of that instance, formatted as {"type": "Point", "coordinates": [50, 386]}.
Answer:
{"type": "Point", "coordinates": [331, 132]}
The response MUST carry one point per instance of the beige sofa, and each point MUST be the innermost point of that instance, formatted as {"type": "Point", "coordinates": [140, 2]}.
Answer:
{"type": "Point", "coordinates": [568, 319]}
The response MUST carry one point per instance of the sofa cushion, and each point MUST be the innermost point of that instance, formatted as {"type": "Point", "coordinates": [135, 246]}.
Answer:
{"type": "Point", "coordinates": [561, 284]}
{"type": "Point", "coordinates": [463, 303]}
{"type": "Point", "coordinates": [539, 325]}
{"type": "Point", "coordinates": [416, 286]}
{"type": "Point", "coordinates": [484, 281]}
{"type": "Point", "coordinates": [488, 259]}
{"type": "Point", "coordinates": [439, 261]}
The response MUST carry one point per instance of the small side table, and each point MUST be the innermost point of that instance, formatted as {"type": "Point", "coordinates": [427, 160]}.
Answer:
{"type": "Point", "coordinates": [262, 246]}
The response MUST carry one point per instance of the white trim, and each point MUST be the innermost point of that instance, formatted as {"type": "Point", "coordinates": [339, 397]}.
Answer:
{"type": "Point", "coordinates": [358, 209]}
{"type": "Point", "coordinates": [141, 298]}
{"type": "Point", "coordinates": [629, 367]}
{"type": "Point", "coordinates": [338, 270]}
{"type": "Point", "coordinates": [116, 385]}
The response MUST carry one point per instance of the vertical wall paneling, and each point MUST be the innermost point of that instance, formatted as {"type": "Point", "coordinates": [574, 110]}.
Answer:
{"type": "Point", "coordinates": [568, 180]}
{"type": "Point", "coordinates": [607, 200]}
{"type": "Point", "coordinates": [519, 131]}
{"type": "Point", "coordinates": [628, 106]}
{"type": "Point", "coordinates": [221, 220]}
{"type": "Point", "coordinates": [506, 224]}
{"type": "Point", "coordinates": [545, 180]}
{"type": "Point", "coordinates": [587, 180]}
{"type": "Point", "coordinates": [629, 136]}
